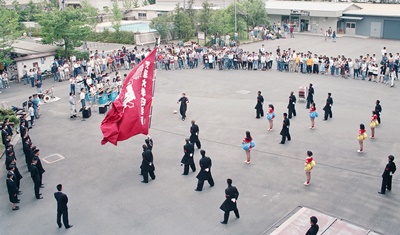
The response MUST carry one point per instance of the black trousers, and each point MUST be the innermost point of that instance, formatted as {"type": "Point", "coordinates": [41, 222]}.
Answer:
{"type": "Point", "coordinates": [378, 118]}
{"type": "Point", "coordinates": [186, 168]}
{"type": "Point", "coordinates": [146, 175]}
{"type": "Point", "coordinates": [200, 183]}
{"type": "Point", "coordinates": [226, 215]}
{"type": "Point", "coordinates": [195, 140]}
{"type": "Point", "coordinates": [65, 218]}
{"type": "Point", "coordinates": [309, 101]}
{"type": "Point", "coordinates": [182, 110]}
{"type": "Point", "coordinates": [36, 186]}
{"type": "Point", "coordinates": [386, 184]}
{"type": "Point", "coordinates": [328, 112]}
{"type": "Point", "coordinates": [284, 136]}
{"type": "Point", "coordinates": [259, 112]}
{"type": "Point", "coordinates": [292, 111]}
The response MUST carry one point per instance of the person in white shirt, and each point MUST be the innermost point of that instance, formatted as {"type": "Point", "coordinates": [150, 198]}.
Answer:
{"type": "Point", "coordinates": [72, 105]}
{"type": "Point", "coordinates": [82, 98]}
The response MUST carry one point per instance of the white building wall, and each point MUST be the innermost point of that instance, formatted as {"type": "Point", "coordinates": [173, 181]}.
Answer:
{"type": "Point", "coordinates": [43, 64]}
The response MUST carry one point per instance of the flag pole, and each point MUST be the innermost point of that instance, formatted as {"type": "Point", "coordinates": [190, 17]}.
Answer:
{"type": "Point", "coordinates": [154, 88]}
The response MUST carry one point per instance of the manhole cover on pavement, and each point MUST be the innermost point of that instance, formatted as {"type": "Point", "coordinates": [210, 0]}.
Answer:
{"type": "Point", "coordinates": [243, 92]}
{"type": "Point", "coordinates": [53, 158]}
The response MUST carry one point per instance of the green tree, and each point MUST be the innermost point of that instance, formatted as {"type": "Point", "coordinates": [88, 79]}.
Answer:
{"type": "Point", "coordinates": [67, 28]}
{"type": "Point", "coordinates": [30, 11]}
{"type": "Point", "coordinates": [145, 3]}
{"type": "Point", "coordinates": [128, 4]}
{"type": "Point", "coordinates": [116, 19]}
{"type": "Point", "coordinates": [254, 12]}
{"type": "Point", "coordinates": [135, 3]}
{"type": "Point", "coordinates": [152, 2]}
{"type": "Point", "coordinates": [92, 14]}
{"type": "Point", "coordinates": [183, 26]}
{"type": "Point", "coordinates": [162, 24]}
{"type": "Point", "coordinates": [204, 17]}
{"type": "Point", "coordinates": [9, 32]}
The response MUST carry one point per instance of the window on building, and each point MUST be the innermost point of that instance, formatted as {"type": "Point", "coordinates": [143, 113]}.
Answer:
{"type": "Point", "coordinates": [142, 16]}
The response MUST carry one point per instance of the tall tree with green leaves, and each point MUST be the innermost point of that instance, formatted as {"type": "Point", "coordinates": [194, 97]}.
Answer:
{"type": "Point", "coordinates": [127, 4]}
{"type": "Point", "coordinates": [92, 14]}
{"type": "Point", "coordinates": [9, 32]}
{"type": "Point", "coordinates": [204, 17]}
{"type": "Point", "coordinates": [183, 26]}
{"type": "Point", "coordinates": [162, 24]}
{"type": "Point", "coordinates": [152, 2]}
{"type": "Point", "coordinates": [254, 12]}
{"type": "Point", "coordinates": [30, 11]}
{"type": "Point", "coordinates": [67, 28]}
{"type": "Point", "coordinates": [116, 18]}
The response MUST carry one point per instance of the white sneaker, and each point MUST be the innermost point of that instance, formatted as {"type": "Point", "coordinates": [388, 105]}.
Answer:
{"type": "Point", "coordinates": [306, 183]}
{"type": "Point", "coordinates": [359, 151]}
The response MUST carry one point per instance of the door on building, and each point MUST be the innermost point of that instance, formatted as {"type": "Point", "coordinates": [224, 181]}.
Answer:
{"type": "Point", "coordinates": [391, 29]}
{"type": "Point", "coordinates": [375, 29]}
{"type": "Point", "coordinates": [304, 24]}
{"type": "Point", "coordinates": [350, 28]}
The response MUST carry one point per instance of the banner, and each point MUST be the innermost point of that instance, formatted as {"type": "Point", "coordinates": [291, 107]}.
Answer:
{"type": "Point", "coordinates": [130, 112]}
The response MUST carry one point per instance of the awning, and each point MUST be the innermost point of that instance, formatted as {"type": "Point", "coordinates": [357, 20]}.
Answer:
{"type": "Point", "coordinates": [351, 18]}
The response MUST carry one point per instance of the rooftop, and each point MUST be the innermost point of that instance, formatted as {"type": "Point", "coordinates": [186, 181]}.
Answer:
{"type": "Point", "coordinates": [308, 6]}
{"type": "Point", "coordinates": [370, 9]}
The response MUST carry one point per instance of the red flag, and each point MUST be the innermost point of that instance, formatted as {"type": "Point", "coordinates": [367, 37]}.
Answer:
{"type": "Point", "coordinates": [130, 112]}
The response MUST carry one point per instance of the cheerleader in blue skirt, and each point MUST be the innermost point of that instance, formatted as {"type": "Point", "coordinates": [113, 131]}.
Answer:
{"type": "Point", "coordinates": [313, 114]}
{"type": "Point", "coordinates": [247, 145]}
{"type": "Point", "coordinates": [270, 116]}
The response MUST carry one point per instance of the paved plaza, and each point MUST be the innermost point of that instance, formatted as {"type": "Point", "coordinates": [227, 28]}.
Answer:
{"type": "Point", "coordinates": [103, 182]}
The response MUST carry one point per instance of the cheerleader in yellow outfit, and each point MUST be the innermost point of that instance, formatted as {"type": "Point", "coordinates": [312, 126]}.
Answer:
{"type": "Point", "coordinates": [308, 166]}
{"type": "Point", "coordinates": [374, 123]}
{"type": "Point", "coordinates": [362, 135]}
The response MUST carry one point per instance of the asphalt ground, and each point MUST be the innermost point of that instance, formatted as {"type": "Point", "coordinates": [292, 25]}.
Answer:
{"type": "Point", "coordinates": [103, 182]}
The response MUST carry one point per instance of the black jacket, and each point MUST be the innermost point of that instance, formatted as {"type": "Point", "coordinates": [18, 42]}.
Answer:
{"type": "Point", "coordinates": [230, 193]}
{"type": "Point", "coordinates": [147, 161]}
{"type": "Point", "coordinates": [205, 163]}
{"type": "Point", "coordinates": [62, 201]}
{"type": "Point", "coordinates": [390, 168]}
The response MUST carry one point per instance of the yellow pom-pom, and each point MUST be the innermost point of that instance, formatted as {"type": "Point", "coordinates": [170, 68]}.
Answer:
{"type": "Point", "coordinates": [360, 137]}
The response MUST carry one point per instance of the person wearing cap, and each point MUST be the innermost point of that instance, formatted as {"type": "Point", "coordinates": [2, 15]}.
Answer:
{"type": "Point", "coordinates": [390, 169]}
{"type": "Point", "coordinates": [194, 134]}
{"type": "Point", "coordinates": [310, 96]}
{"type": "Point", "coordinates": [230, 203]}
{"type": "Point", "coordinates": [12, 191]}
{"type": "Point", "coordinates": [308, 166]}
{"type": "Point", "coordinates": [187, 159]}
{"type": "Point", "coordinates": [328, 107]}
{"type": "Point", "coordinates": [39, 166]}
{"type": "Point", "coordinates": [205, 171]}
{"type": "Point", "coordinates": [313, 230]}
{"type": "Point", "coordinates": [36, 178]}
{"type": "Point", "coordinates": [259, 105]}
{"type": "Point", "coordinates": [62, 208]}
{"type": "Point", "coordinates": [147, 167]}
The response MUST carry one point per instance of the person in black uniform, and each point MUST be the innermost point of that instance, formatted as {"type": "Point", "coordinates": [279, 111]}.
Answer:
{"type": "Point", "coordinates": [285, 129]}
{"type": "Point", "coordinates": [12, 168]}
{"type": "Point", "coordinates": [9, 127]}
{"type": "Point", "coordinates": [194, 134]}
{"type": "Point", "coordinates": [313, 230]}
{"type": "Point", "coordinates": [230, 203]}
{"type": "Point", "coordinates": [62, 208]}
{"type": "Point", "coordinates": [12, 191]}
{"type": "Point", "coordinates": [310, 96]}
{"type": "Point", "coordinates": [4, 134]}
{"type": "Point", "coordinates": [36, 177]}
{"type": "Point", "coordinates": [27, 151]}
{"type": "Point", "coordinates": [328, 107]}
{"type": "Point", "coordinates": [390, 169]}
{"type": "Point", "coordinates": [205, 171]}
{"type": "Point", "coordinates": [10, 157]}
{"type": "Point", "coordinates": [39, 166]}
{"type": "Point", "coordinates": [187, 159]}
{"type": "Point", "coordinates": [184, 101]}
{"type": "Point", "coordinates": [259, 105]}
{"type": "Point", "coordinates": [378, 110]}
{"type": "Point", "coordinates": [147, 167]}
{"type": "Point", "coordinates": [291, 106]}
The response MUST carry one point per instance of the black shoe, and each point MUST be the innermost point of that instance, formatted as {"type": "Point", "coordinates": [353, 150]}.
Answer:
{"type": "Point", "coordinates": [223, 222]}
{"type": "Point", "coordinates": [18, 201]}
{"type": "Point", "coordinates": [197, 190]}
{"type": "Point", "coordinates": [19, 192]}
{"type": "Point", "coordinates": [381, 193]}
{"type": "Point", "coordinates": [15, 208]}
{"type": "Point", "coordinates": [325, 120]}
{"type": "Point", "coordinates": [60, 225]}
{"type": "Point", "coordinates": [70, 226]}
{"type": "Point", "coordinates": [238, 216]}
{"type": "Point", "coordinates": [258, 117]}
{"type": "Point", "coordinates": [72, 117]}
{"type": "Point", "coordinates": [39, 198]}
{"type": "Point", "coordinates": [41, 186]}
{"type": "Point", "coordinates": [281, 143]}
{"type": "Point", "coordinates": [184, 174]}
{"type": "Point", "coordinates": [144, 181]}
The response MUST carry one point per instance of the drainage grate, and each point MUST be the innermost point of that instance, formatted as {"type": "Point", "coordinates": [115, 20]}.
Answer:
{"type": "Point", "coordinates": [243, 92]}
{"type": "Point", "coordinates": [53, 158]}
